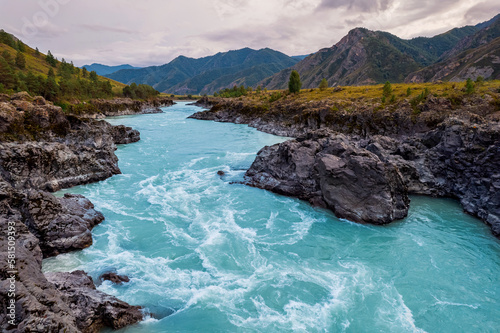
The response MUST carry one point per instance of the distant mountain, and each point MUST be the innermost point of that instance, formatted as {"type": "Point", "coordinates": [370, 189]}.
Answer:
{"type": "Point", "coordinates": [104, 70]}
{"type": "Point", "coordinates": [185, 75]}
{"type": "Point", "coordinates": [300, 57]}
{"type": "Point", "coordinates": [481, 61]}
{"type": "Point", "coordinates": [489, 31]}
{"type": "Point", "coordinates": [361, 57]}
{"type": "Point", "coordinates": [474, 56]}
{"type": "Point", "coordinates": [367, 57]}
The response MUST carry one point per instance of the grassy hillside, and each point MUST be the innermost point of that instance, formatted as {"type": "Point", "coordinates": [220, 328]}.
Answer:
{"type": "Point", "coordinates": [411, 92]}
{"type": "Point", "coordinates": [23, 68]}
{"type": "Point", "coordinates": [37, 64]}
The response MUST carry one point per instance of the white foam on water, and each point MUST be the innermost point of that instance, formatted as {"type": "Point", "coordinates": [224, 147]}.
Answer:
{"type": "Point", "coordinates": [149, 320]}
{"type": "Point", "coordinates": [446, 303]}
{"type": "Point", "coordinates": [394, 313]}
{"type": "Point", "coordinates": [193, 162]}
{"type": "Point", "coordinates": [295, 315]}
{"type": "Point", "coordinates": [271, 220]}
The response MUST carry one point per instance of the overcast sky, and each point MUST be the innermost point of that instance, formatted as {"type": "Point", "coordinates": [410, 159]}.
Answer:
{"type": "Point", "coordinates": [153, 32]}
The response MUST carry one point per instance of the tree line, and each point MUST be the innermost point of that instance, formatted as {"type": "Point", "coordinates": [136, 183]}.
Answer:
{"type": "Point", "coordinates": [64, 81]}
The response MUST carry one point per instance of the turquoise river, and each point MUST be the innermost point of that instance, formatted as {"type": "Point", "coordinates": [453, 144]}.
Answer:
{"type": "Point", "coordinates": [206, 255]}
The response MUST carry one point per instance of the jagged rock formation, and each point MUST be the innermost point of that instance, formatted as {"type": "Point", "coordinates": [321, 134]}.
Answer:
{"type": "Point", "coordinates": [92, 308]}
{"type": "Point", "coordinates": [42, 150]}
{"type": "Point", "coordinates": [332, 172]}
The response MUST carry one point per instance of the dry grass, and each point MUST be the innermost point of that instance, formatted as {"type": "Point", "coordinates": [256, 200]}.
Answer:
{"type": "Point", "coordinates": [373, 93]}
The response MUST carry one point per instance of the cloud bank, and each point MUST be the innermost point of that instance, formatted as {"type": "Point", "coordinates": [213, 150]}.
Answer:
{"type": "Point", "coordinates": [153, 32]}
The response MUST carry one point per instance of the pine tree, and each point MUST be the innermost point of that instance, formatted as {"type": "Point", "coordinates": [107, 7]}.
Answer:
{"type": "Point", "coordinates": [37, 52]}
{"type": "Point", "coordinates": [50, 59]}
{"type": "Point", "coordinates": [51, 89]}
{"type": "Point", "coordinates": [20, 60]}
{"type": "Point", "coordinates": [387, 90]}
{"type": "Point", "coordinates": [51, 73]}
{"type": "Point", "coordinates": [93, 76]}
{"type": "Point", "coordinates": [469, 87]}
{"type": "Point", "coordinates": [323, 84]}
{"type": "Point", "coordinates": [20, 46]}
{"type": "Point", "coordinates": [294, 84]}
{"type": "Point", "coordinates": [7, 76]}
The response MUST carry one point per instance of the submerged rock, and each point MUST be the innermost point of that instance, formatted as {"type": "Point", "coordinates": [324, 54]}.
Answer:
{"type": "Point", "coordinates": [115, 278]}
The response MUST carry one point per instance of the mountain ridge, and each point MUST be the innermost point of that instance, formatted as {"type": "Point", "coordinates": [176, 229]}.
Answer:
{"type": "Point", "coordinates": [189, 75]}
{"type": "Point", "coordinates": [101, 69]}
{"type": "Point", "coordinates": [368, 57]}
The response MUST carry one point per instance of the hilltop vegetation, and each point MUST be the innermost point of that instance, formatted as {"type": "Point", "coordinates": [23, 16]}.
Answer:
{"type": "Point", "coordinates": [23, 68]}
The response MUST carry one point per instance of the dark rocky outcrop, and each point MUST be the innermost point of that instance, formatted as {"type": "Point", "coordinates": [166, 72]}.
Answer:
{"type": "Point", "coordinates": [293, 117]}
{"type": "Point", "coordinates": [93, 309]}
{"type": "Point", "coordinates": [41, 150]}
{"type": "Point", "coordinates": [360, 178]}
{"type": "Point", "coordinates": [55, 302]}
{"type": "Point", "coordinates": [332, 172]}
{"type": "Point", "coordinates": [61, 224]}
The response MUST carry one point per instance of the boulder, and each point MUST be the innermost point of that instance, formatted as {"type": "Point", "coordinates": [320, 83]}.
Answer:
{"type": "Point", "coordinates": [91, 308]}
{"type": "Point", "coordinates": [114, 278]}
{"type": "Point", "coordinates": [333, 172]}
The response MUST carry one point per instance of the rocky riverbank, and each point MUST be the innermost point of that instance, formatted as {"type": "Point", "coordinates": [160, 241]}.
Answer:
{"type": "Point", "coordinates": [362, 160]}
{"type": "Point", "coordinates": [102, 108]}
{"type": "Point", "coordinates": [43, 150]}
{"type": "Point", "coordinates": [127, 106]}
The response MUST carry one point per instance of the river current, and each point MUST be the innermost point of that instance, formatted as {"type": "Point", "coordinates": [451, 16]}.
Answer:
{"type": "Point", "coordinates": [206, 255]}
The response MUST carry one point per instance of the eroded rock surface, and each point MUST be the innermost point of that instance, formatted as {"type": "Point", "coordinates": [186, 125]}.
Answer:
{"type": "Point", "coordinates": [42, 149]}
{"type": "Point", "coordinates": [332, 172]}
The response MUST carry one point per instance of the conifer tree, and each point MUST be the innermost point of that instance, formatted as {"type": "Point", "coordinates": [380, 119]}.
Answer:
{"type": "Point", "coordinates": [323, 84]}
{"type": "Point", "coordinates": [20, 60]}
{"type": "Point", "coordinates": [387, 90]}
{"type": "Point", "coordinates": [7, 76]}
{"type": "Point", "coordinates": [294, 84]}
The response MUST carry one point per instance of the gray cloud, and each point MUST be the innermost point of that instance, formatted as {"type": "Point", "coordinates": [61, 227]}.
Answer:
{"type": "Point", "coordinates": [361, 5]}
{"type": "Point", "coordinates": [103, 28]}
{"type": "Point", "coordinates": [482, 11]}
{"type": "Point", "coordinates": [156, 31]}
